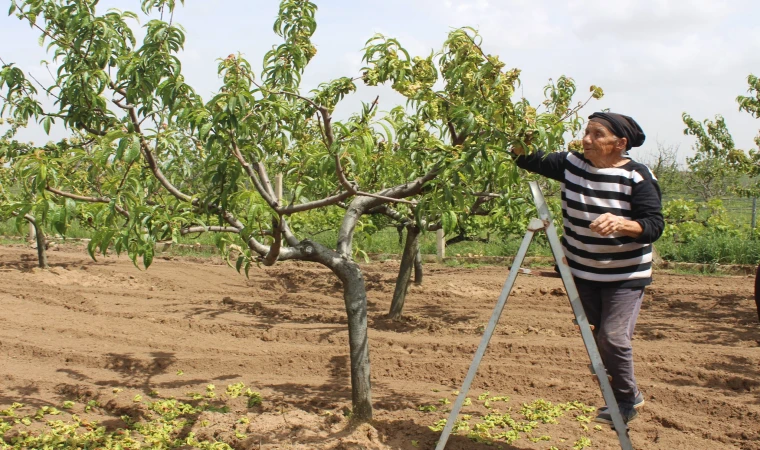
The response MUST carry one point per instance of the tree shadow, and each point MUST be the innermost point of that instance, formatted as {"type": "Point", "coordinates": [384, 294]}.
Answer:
{"type": "Point", "coordinates": [737, 376]}
{"type": "Point", "coordinates": [27, 265]}
{"type": "Point", "coordinates": [264, 314]}
{"type": "Point", "coordinates": [138, 374]}
{"type": "Point", "coordinates": [27, 394]}
{"type": "Point", "coordinates": [399, 434]}
{"type": "Point", "coordinates": [429, 318]}
{"type": "Point", "coordinates": [713, 319]}
{"type": "Point", "coordinates": [738, 365]}
{"type": "Point", "coordinates": [336, 394]}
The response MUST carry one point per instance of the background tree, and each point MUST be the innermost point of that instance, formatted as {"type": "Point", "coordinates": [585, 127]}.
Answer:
{"type": "Point", "coordinates": [751, 164]}
{"type": "Point", "coordinates": [665, 166]}
{"type": "Point", "coordinates": [715, 167]}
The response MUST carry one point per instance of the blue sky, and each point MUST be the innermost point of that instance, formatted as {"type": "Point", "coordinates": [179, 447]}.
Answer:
{"type": "Point", "coordinates": [654, 58]}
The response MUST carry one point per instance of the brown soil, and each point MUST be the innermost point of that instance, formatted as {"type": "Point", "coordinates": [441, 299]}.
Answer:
{"type": "Point", "coordinates": [83, 328]}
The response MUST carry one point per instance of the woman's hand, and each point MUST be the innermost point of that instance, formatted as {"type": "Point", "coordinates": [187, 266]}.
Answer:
{"type": "Point", "coordinates": [607, 223]}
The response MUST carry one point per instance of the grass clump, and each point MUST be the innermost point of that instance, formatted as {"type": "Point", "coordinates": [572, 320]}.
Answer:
{"type": "Point", "coordinates": [164, 424]}
{"type": "Point", "coordinates": [528, 421]}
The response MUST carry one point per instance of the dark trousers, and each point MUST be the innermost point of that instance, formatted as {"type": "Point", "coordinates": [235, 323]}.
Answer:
{"type": "Point", "coordinates": [613, 313]}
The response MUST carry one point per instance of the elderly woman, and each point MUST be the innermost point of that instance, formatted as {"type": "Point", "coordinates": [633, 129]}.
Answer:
{"type": "Point", "coordinates": [611, 206]}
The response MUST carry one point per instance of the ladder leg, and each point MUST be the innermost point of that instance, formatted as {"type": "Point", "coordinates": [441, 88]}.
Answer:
{"type": "Point", "coordinates": [535, 224]}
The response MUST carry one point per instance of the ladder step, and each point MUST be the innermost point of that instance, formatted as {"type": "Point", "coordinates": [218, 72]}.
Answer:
{"type": "Point", "coordinates": [593, 374]}
{"type": "Point", "coordinates": [575, 322]}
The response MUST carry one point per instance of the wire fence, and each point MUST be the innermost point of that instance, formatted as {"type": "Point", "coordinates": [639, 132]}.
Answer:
{"type": "Point", "coordinates": [741, 211]}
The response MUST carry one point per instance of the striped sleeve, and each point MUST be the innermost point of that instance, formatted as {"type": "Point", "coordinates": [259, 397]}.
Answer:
{"type": "Point", "coordinates": [551, 165]}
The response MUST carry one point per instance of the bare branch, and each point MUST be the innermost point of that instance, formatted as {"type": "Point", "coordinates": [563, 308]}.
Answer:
{"type": "Point", "coordinates": [389, 212]}
{"type": "Point", "coordinates": [387, 199]}
{"type": "Point", "coordinates": [122, 106]}
{"type": "Point", "coordinates": [29, 218]}
{"type": "Point", "coordinates": [576, 109]}
{"type": "Point", "coordinates": [274, 250]}
{"type": "Point", "coordinates": [152, 162]}
{"type": "Point", "coordinates": [327, 201]}
{"type": "Point", "coordinates": [452, 131]}
{"type": "Point", "coordinates": [43, 86]}
{"type": "Point", "coordinates": [290, 238]}
{"type": "Point", "coordinates": [485, 194]}
{"type": "Point", "coordinates": [306, 99]}
{"type": "Point", "coordinates": [86, 199]}
{"type": "Point", "coordinates": [264, 176]}
{"type": "Point", "coordinates": [360, 205]}
{"type": "Point", "coordinates": [408, 189]}
{"type": "Point", "coordinates": [264, 186]}
{"type": "Point", "coordinates": [202, 229]}
{"type": "Point", "coordinates": [477, 46]}
{"type": "Point", "coordinates": [92, 130]}
{"type": "Point", "coordinates": [270, 199]}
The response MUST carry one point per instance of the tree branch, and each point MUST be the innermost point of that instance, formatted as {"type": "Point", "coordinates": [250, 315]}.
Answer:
{"type": "Point", "coordinates": [86, 199]}
{"type": "Point", "coordinates": [257, 182]}
{"type": "Point", "coordinates": [152, 162]}
{"type": "Point", "coordinates": [387, 199]}
{"type": "Point", "coordinates": [267, 183]}
{"type": "Point", "coordinates": [274, 250]}
{"type": "Point", "coordinates": [327, 201]}
{"type": "Point", "coordinates": [202, 229]}
{"type": "Point", "coordinates": [92, 130]}
{"type": "Point", "coordinates": [43, 86]}
{"type": "Point", "coordinates": [389, 212]}
{"type": "Point", "coordinates": [360, 205]}
{"type": "Point", "coordinates": [576, 109]}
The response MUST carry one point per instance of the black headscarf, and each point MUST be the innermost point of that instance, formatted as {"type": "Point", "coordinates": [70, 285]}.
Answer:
{"type": "Point", "coordinates": [621, 126]}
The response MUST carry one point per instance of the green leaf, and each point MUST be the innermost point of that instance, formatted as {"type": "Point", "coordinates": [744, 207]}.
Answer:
{"type": "Point", "coordinates": [92, 245]}
{"type": "Point", "coordinates": [205, 129]}
{"type": "Point", "coordinates": [106, 241]}
{"type": "Point", "coordinates": [113, 135]}
{"type": "Point", "coordinates": [148, 255]}
{"type": "Point", "coordinates": [121, 147]}
{"type": "Point", "coordinates": [449, 220]}
{"type": "Point", "coordinates": [133, 152]}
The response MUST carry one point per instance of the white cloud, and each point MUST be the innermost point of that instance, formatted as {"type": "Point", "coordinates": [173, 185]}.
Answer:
{"type": "Point", "coordinates": [512, 23]}
{"type": "Point", "coordinates": [646, 19]}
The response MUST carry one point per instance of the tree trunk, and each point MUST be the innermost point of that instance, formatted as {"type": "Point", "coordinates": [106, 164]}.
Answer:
{"type": "Point", "coordinates": [418, 266]}
{"type": "Point", "coordinates": [355, 299]}
{"type": "Point", "coordinates": [41, 253]}
{"type": "Point", "coordinates": [408, 262]}
{"type": "Point", "coordinates": [757, 291]}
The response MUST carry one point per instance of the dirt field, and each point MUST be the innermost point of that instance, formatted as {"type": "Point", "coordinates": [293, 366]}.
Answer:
{"type": "Point", "coordinates": [84, 328]}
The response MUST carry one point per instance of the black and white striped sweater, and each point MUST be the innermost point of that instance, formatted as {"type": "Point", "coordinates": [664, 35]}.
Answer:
{"type": "Point", "coordinates": [630, 191]}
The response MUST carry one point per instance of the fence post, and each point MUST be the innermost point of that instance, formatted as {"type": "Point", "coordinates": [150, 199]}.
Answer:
{"type": "Point", "coordinates": [278, 187]}
{"type": "Point", "coordinates": [754, 212]}
{"type": "Point", "coordinates": [440, 244]}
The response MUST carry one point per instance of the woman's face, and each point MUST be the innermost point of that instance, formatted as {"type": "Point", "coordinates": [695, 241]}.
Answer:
{"type": "Point", "coordinates": [601, 147]}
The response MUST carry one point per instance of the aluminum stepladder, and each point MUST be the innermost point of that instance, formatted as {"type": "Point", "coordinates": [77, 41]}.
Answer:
{"type": "Point", "coordinates": [543, 222]}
